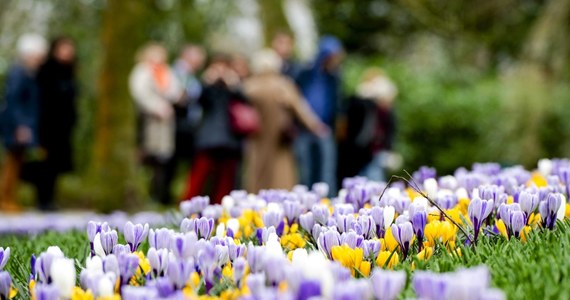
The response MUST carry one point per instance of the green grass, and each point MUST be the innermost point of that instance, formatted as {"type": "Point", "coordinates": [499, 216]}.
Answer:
{"type": "Point", "coordinates": [537, 269]}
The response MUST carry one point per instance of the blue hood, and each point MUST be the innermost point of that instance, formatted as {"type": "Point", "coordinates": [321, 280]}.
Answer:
{"type": "Point", "coordinates": [328, 45]}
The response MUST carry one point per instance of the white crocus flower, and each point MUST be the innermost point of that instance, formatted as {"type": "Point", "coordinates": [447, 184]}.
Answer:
{"type": "Point", "coordinates": [431, 187]}
{"type": "Point", "coordinates": [233, 224]}
{"type": "Point", "coordinates": [562, 210]}
{"type": "Point", "coordinates": [97, 246]}
{"type": "Point", "coordinates": [545, 167]}
{"type": "Point", "coordinates": [221, 230]}
{"type": "Point", "coordinates": [94, 264]}
{"type": "Point", "coordinates": [273, 246]}
{"type": "Point", "coordinates": [55, 251]}
{"type": "Point", "coordinates": [105, 286]}
{"type": "Point", "coordinates": [389, 213]}
{"type": "Point", "coordinates": [461, 193]}
{"type": "Point", "coordinates": [63, 276]}
{"type": "Point", "coordinates": [228, 203]}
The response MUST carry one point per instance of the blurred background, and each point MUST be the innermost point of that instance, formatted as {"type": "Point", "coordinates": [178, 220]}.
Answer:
{"type": "Point", "coordinates": [478, 80]}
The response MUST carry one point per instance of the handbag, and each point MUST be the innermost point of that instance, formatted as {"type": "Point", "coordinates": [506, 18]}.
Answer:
{"type": "Point", "coordinates": [244, 119]}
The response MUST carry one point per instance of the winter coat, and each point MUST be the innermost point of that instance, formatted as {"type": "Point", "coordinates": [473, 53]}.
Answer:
{"type": "Point", "coordinates": [157, 134]}
{"type": "Point", "coordinates": [215, 131]}
{"type": "Point", "coordinates": [58, 115]}
{"type": "Point", "coordinates": [270, 162]}
{"type": "Point", "coordinates": [21, 107]}
{"type": "Point", "coordinates": [320, 87]}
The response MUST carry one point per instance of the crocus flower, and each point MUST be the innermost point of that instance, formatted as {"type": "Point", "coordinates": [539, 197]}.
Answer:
{"type": "Point", "coordinates": [128, 264]}
{"type": "Point", "coordinates": [194, 206]}
{"type": "Point", "coordinates": [182, 245]}
{"type": "Point", "coordinates": [387, 285]}
{"type": "Point", "coordinates": [479, 210]}
{"type": "Point", "coordinates": [327, 240]}
{"type": "Point", "coordinates": [138, 293]}
{"type": "Point", "coordinates": [255, 258]}
{"type": "Point", "coordinates": [205, 227]}
{"type": "Point", "coordinates": [307, 221]}
{"type": "Point", "coordinates": [377, 214]}
{"type": "Point", "coordinates": [274, 218]}
{"type": "Point", "coordinates": [309, 289]}
{"type": "Point", "coordinates": [118, 249]}
{"type": "Point", "coordinates": [351, 239]}
{"type": "Point", "coordinates": [292, 210]}
{"type": "Point", "coordinates": [321, 189]}
{"type": "Point", "coordinates": [239, 269]}
{"type": "Point", "coordinates": [358, 196]}
{"type": "Point", "coordinates": [111, 265]}
{"type": "Point", "coordinates": [179, 271]}
{"type": "Point", "coordinates": [63, 276]}
{"type": "Point", "coordinates": [92, 229]}
{"type": "Point", "coordinates": [108, 240]}
{"type": "Point", "coordinates": [159, 238]}
{"type": "Point", "coordinates": [528, 202]}
{"type": "Point", "coordinates": [5, 285]}
{"type": "Point", "coordinates": [403, 233]}
{"type": "Point", "coordinates": [135, 234]}
{"type": "Point", "coordinates": [549, 208]}
{"type": "Point", "coordinates": [46, 292]}
{"type": "Point", "coordinates": [365, 226]}
{"type": "Point", "coordinates": [4, 257]}
{"type": "Point", "coordinates": [158, 260]}
{"type": "Point", "coordinates": [513, 218]}
{"type": "Point", "coordinates": [428, 285]}
{"type": "Point", "coordinates": [345, 222]}
{"type": "Point", "coordinates": [357, 289]}
{"type": "Point", "coordinates": [43, 266]}
{"type": "Point", "coordinates": [275, 269]}
{"type": "Point", "coordinates": [419, 220]}
{"type": "Point", "coordinates": [321, 213]}
{"type": "Point", "coordinates": [371, 248]}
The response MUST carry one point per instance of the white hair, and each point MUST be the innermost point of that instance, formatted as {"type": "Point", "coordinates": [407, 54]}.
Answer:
{"type": "Point", "coordinates": [266, 61]}
{"type": "Point", "coordinates": [31, 44]}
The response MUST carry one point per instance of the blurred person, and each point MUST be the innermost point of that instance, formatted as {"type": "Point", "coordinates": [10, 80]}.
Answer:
{"type": "Point", "coordinates": [188, 112]}
{"type": "Point", "coordinates": [240, 65]}
{"type": "Point", "coordinates": [155, 89]}
{"type": "Point", "coordinates": [19, 119]}
{"type": "Point", "coordinates": [270, 162]}
{"type": "Point", "coordinates": [371, 126]}
{"type": "Point", "coordinates": [320, 85]}
{"type": "Point", "coordinates": [58, 90]}
{"type": "Point", "coordinates": [284, 45]}
{"type": "Point", "coordinates": [218, 147]}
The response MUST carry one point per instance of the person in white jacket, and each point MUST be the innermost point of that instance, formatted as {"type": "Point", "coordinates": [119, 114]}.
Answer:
{"type": "Point", "coordinates": [155, 89]}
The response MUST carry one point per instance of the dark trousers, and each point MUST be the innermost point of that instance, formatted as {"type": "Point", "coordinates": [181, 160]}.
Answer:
{"type": "Point", "coordinates": [220, 167]}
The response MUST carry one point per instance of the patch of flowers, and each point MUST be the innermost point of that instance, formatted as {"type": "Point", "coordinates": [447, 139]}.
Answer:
{"type": "Point", "coordinates": [300, 244]}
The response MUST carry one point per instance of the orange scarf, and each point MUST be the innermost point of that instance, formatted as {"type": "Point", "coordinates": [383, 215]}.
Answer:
{"type": "Point", "coordinates": [161, 76]}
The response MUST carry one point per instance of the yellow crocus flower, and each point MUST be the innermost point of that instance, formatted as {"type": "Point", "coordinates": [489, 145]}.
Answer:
{"type": "Point", "coordinates": [443, 231]}
{"type": "Point", "coordinates": [502, 227]}
{"type": "Point", "coordinates": [293, 241]}
{"type": "Point", "coordinates": [79, 294]}
{"type": "Point", "coordinates": [425, 254]}
{"type": "Point", "coordinates": [350, 258]}
{"type": "Point", "coordinates": [538, 180]}
{"type": "Point", "coordinates": [463, 204]}
{"type": "Point", "coordinates": [389, 243]}
{"type": "Point", "coordinates": [383, 258]}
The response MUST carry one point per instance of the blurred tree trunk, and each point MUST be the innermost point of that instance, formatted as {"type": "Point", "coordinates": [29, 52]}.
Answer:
{"type": "Point", "coordinates": [114, 155]}
{"type": "Point", "coordinates": [272, 18]}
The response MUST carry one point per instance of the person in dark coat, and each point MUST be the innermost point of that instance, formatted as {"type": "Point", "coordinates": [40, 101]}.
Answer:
{"type": "Point", "coordinates": [218, 148]}
{"type": "Point", "coordinates": [284, 45]}
{"type": "Point", "coordinates": [58, 91]}
{"type": "Point", "coordinates": [19, 117]}
{"type": "Point", "coordinates": [370, 131]}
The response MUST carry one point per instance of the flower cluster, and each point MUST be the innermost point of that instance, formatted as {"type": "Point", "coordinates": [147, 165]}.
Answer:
{"type": "Point", "coordinates": [298, 244]}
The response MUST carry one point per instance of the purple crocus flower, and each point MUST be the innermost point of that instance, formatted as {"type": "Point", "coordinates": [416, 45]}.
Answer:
{"type": "Point", "coordinates": [549, 208]}
{"type": "Point", "coordinates": [358, 196]}
{"type": "Point", "coordinates": [236, 251]}
{"type": "Point", "coordinates": [321, 213]}
{"type": "Point", "coordinates": [309, 289]}
{"type": "Point", "coordinates": [46, 292]}
{"type": "Point", "coordinates": [387, 285]}
{"type": "Point", "coordinates": [182, 245]}
{"type": "Point", "coordinates": [424, 173]}
{"type": "Point", "coordinates": [158, 260]}
{"type": "Point", "coordinates": [478, 211]}
{"type": "Point", "coordinates": [262, 234]}
{"type": "Point", "coordinates": [135, 234]}
{"type": "Point", "coordinates": [108, 240]}
{"type": "Point", "coordinates": [292, 210]}
{"type": "Point", "coordinates": [119, 249]}
{"type": "Point", "coordinates": [327, 240]}
{"type": "Point", "coordinates": [179, 271]}
{"type": "Point", "coordinates": [111, 265]}
{"type": "Point", "coordinates": [506, 213]}
{"type": "Point", "coordinates": [5, 284]}
{"type": "Point", "coordinates": [528, 202]}
{"type": "Point", "coordinates": [275, 270]}
{"type": "Point", "coordinates": [43, 266]}
{"type": "Point", "coordinates": [92, 229]}
{"type": "Point", "coordinates": [339, 272]}
{"type": "Point", "coordinates": [128, 264]}
{"type": "Point", "coordinates": [159, 238]}
{"type": "Point", "coordinates": [274, 218]}
{"type": "Point", "coordinates": [256, 284]}
{"type": "Point", "coordinates": [138, 293]}
{"type": "Point", "coordinates": [428, 285]}
{"type": "Point", "coordinates": [354, 289]}
{"type": "Point", "coordinates": [164, 287]}
{"type": "Point", "coordinates": [345, 222]}
{"type": "Point", "coordinates": [377, 214]}
{"type": "Point", "coordinates": [205, 227]}
{"type": "Point", "coordinates": [365, 226]}
{"type": "Point", "coordinates": [371, 248]}
{"type": "Point", "coordinates": [188, 225]}
{"type": "Point", "coordinates": [307, 221]}
{"type": "Point", "coordinates": [419, 220]}
{"type": "Point", "coordinates": [351, 239]}
{"type": "Point", "coordinates": [4, 257]}
{"type": "Point", "coordinates": [207, 263]}
{"type": "Point", "coordinates": [403, 233]}
{"type": "Point", "coordinates": [255, 258]}
{"type": "Point", "coordinates": [194, 206]}
{"type": "Point", "coordinates": [321, 189]}
{"type": "Point", "coordinates": [447, 200]}
{"type": "Point", "coordinates": [239, 269]}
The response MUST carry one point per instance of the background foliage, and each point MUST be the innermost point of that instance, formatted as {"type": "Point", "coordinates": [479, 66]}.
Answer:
{"type": "Point", "coordinates": [478, 81]}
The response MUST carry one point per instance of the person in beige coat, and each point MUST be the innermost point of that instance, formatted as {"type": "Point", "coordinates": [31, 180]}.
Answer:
{"type": "Point", "coordinates": [155, 89]}
{"type": "Point", "coordinates": [270, 162]}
